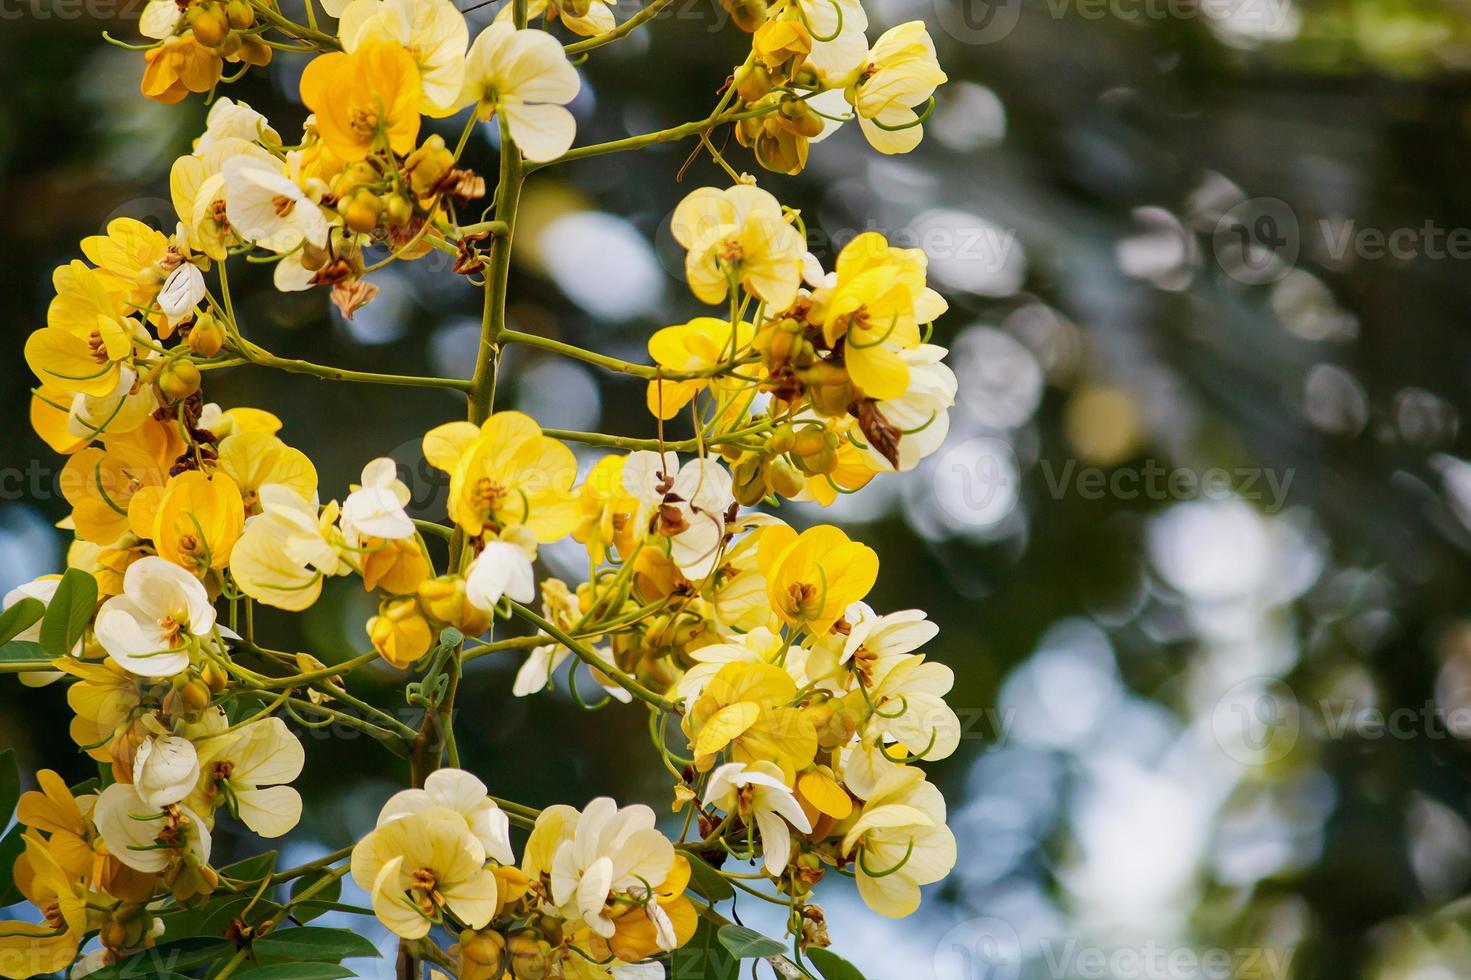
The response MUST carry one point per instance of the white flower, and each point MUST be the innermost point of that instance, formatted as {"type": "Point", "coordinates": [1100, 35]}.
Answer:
{"type": "Point", "coordinates": [688, 504]}
{"type": "Point", "coordinates": [758, 792]}
{"type": "Point", "coordinates": [611, 851]}
{"type": "Point", "coordinates": [121, 410]}
{"type": "Point", "coordinates": [147, 630]}
{"type": "Point", "coordinates": [160, 19]}
{"type": "Point", "coordinates": [286, 550]}
{"type": "Point", "coordinates": [460, 791]}
{"type": "Point", "coordinates": [181, 292]}
{"type": "Point", "coordinates": [739, 232]}
{"type": "Point", "coordinates": [375, 509]}
{"type": "Point", "coordinates": [269, 209]}
{"type": "Point", "coordinates": [248, 769]}
{"type": "Point", "coordinates": [433, 31]}
{"type": "Point", "coordinates": [148, 838]}
{"type": "Point", "coordinates": [759, 646]}
{"type": "Point", "coordinates": [503, 568]}
{"type": "Point", "coordinates": [228, 119]}
{"type": "Point", "coordinates": [525, 76]}
{"type": "Point", "coordinates": [165, 770]}
{"type": "Point", "coordinates": [922, 412]}
{"type": "Point", "coordinates": [888, 636]}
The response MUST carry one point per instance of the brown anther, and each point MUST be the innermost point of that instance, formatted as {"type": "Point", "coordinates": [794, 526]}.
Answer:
{"type": "Point", "coordinates": [283, 204]}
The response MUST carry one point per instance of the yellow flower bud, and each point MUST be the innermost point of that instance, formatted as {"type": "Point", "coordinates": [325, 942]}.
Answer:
{"type": "Point", "coordinates": [206, 337]}
{"type": "Point", "coordinates": [752, 82]}
{"type": "Point", "coordinates": [749, 480]}
{"type": "Point", "coordinates": [240, 14]}
{"type": "Point", "coordinates": [210, 24]}
{"type": "Point", "coordinates": [828, 387]}
{"type": "Point", "coordinates": [397, 210]}
{"type": "Point", "coordinates": [360, 212]}
{"type": "Point", "coordinates": [783, 478]}
{"type": "Point", "coordinates": [179, 379]}
{"type": "Point", "coordinates": [482, 955]}
{"type": "Point", "coordinates": [254, 51]}
{"type": "Point", "coordinates": [443, 598]}
{"type": "Point", "coordinates": [746, 14]}
{"type": "Point", "coordinates": [531, 956]}
{"type": "Point", "coordinates": [400, 633]}
{"type": "Point", "coordinates": [428, 165]}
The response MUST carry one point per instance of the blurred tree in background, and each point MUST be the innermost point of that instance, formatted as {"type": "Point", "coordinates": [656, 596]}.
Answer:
{"type": "Point", "coordinates": [1198, 540]}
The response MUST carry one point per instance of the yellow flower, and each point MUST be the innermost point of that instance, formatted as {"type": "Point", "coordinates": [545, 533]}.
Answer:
{"type": "Point", "coordinates": [525, 76]}
{"type": "Point", "coordinates": [28, 950]}
{"type": "Point", "coordinates": [247, 769]}
{"type": "Point", "coordinates": [903, 842]}
{"type": "Point", "coordinates": [432, 31]}
{"type": "Point", "coordinates": [396, 566]}
{"type": "Point", "coordinates": [422, 865]}
{"type": "Point", "coordinates": [851, 473]}
{"type": "Point", "coordinates": [102, 700]}
{"type": "Point", "coordinates": [400, 633]}
{"type": "Point", "coordinates": [746, 708]}
{"type": "Point", "coordinates": [51, 418]}
{"type": "Point", "coordinates": [86, 338]}
{"type": "Point", "coordinates": [358, 97]}
{"type": "Point", "coordinates": [739, 235]}
{"type": "Point", "coordinates": [780, 42]}
{"type": "Point", "coordinates": [702, 344]}
{"type": "Point", "coordinates": [100, 483]}
{"type": "Point", "coordinates": [128, 260]}
{"type": "Point", "coordinates": [285, 551]}
{"type": "Point", "coordinates": [607, 511]}
{"type": "Point", "coordinates": [178, 66]}
{"type": "Point", "coordinates": [253, 459]}
{"type": "Point", "coordinates": [813, 577]}
{"type": "Point", "coordinates": [900, 72]}
{"type": "Point", "coordinates": [875, 307]}
{"type": "Point", "coordinates": [506, 473]}
{"type": "Point", "coordinates": [194, 521]}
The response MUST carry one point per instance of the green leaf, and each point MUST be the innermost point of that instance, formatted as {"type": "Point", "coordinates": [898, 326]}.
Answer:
{"type": "Point", "coordinates": [296, 971]}
{"type": "Point", "coordinates": [313, 944]}
{"type": "Point", "coordinates": [832, 966]}
{"type": "Point", "coordinates": [69, 612]}
{"type": "Point", "coordinates": [707, 881]}
{"type": "Point", "coordinates": [748, 944]}
{"type": "Point", "coordinates": [251, 868]}
{"type": "Point", "coordinates": [20, 617]}
{"type": "Point", "coordinates": [9, 785]}
{"type": "Point", "coordinates": [167, 958]}
{"type": "Point", "coordinates": [23, 650]}
{"type": "Point", "coordinates": [321, 901]}
{"type": "Point", "coordinates": [703, 958]}
{"type": "Point", "coordinates": [11, 848]}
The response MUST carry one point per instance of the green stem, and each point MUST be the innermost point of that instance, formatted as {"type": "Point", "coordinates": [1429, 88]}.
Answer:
{"type": "Point", "coordinates": [623, 680]}
{"type": "Point", "coordinates": [622, 30]}
{"type": "Point", "coordinates": [662, 136]}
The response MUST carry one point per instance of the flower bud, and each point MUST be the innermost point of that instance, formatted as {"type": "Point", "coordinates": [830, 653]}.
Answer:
{"type": "Point", "coordinates": [428, 165]}
{"type": "Point", "coordinates": [443, 598]}
{"type": "Point", "coordinates": [749, 480]}
{"type": "Point", "coordinates": [230, 46]}
{"type": "Point", "coordinates": [397, 210]}
{"type": "Point", "coordinates": [254, 51]}
{"type": "Point", "coordinates": [746, 14]}
{"type": "Point", "coordinates": [752, 82]}
{"type": "Point", "coordinates": [209, 24]}
{"type": "Point", "coordinates": [360, 212]}
{"type": "Point", "coordinates": [531, 956]}
{"type": "Point", "coordinates": [829, 389]}
{"type": "Point", "coordinates": [815, 450]}
{"type": "Point", "coordinates": [206, 337]}
{"type": "Point", "coordinates": [400, 633]}
{"type": "Point", "coordinates": [783, 478]}
{"type": "Point", "coordinates": [482, 955]}
{"type": "Point", "coordinates": [240, 14]}
{"type": "Point", "coordinates": [178, 380]}
{"type": "Point", "coordinates": [214, 676]}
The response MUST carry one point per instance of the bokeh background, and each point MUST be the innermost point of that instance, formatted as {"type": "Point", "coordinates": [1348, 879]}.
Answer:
{"type": "Point", "coordinates": [1198, 539]}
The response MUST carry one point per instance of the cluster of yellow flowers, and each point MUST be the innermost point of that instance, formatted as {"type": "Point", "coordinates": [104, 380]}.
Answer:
{"type": "Point", "coordinates": [799, 712]}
